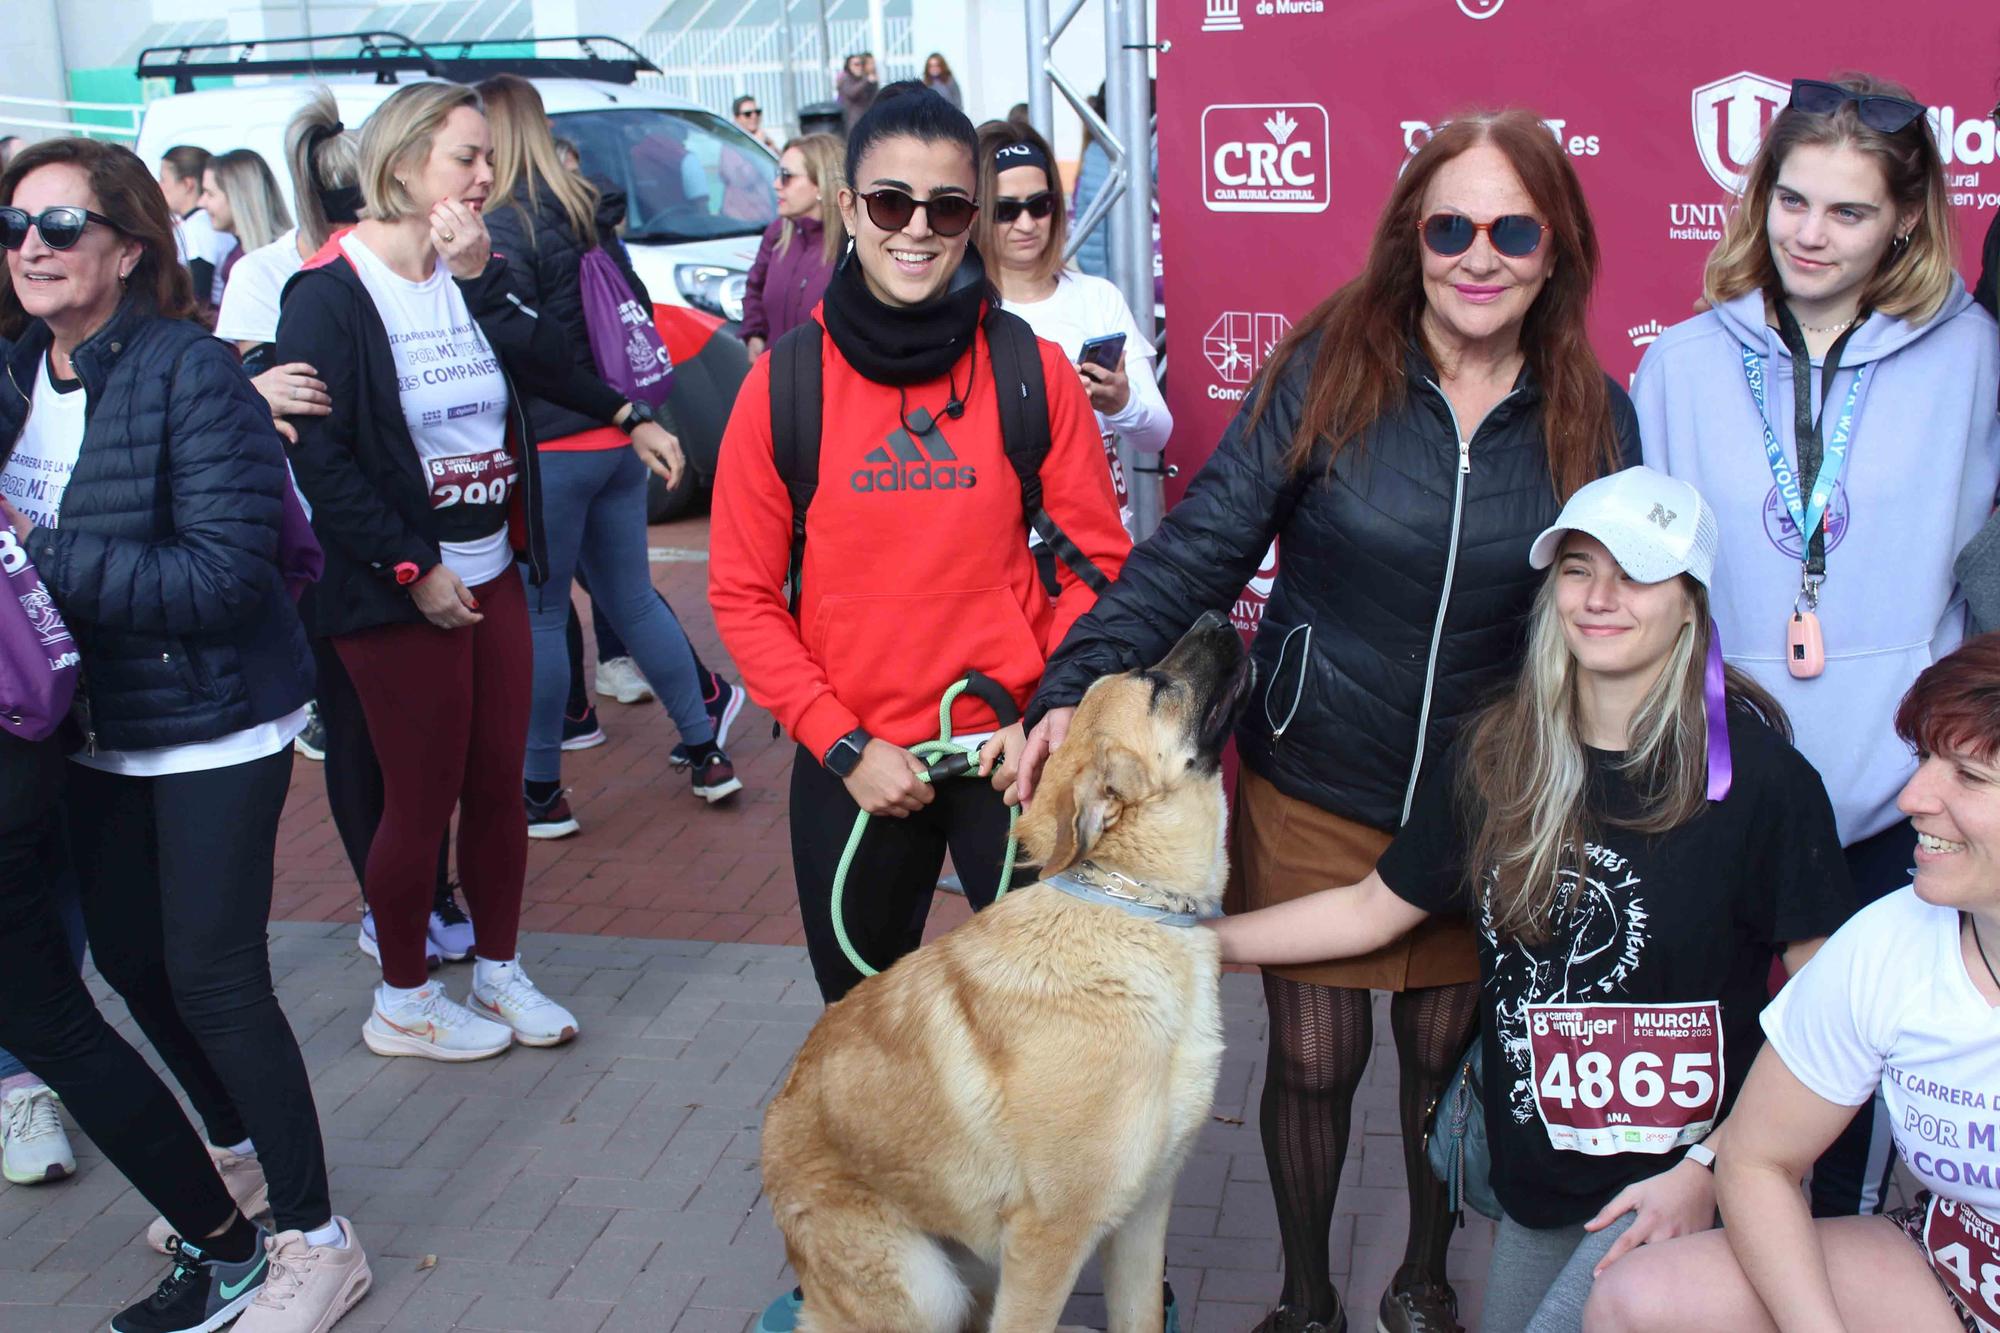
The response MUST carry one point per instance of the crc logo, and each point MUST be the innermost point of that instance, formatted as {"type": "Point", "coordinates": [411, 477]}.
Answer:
{"type": "Point", "coordinates": [1266, 158]}
{"type": "Point", "coordinates": [1239, 341]}
{"type": "Point", "coordinates": [1480, 9]}
{"type": "Point", "coordinates": [1730, 117]}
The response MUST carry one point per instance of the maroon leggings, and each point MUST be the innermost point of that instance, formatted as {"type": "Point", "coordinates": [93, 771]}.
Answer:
{"type": "Point", "coordinates": [448, 713]}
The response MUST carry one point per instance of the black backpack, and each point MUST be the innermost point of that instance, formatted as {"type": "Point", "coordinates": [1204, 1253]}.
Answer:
{"type": "Point", "coordinates": [1024, 433]}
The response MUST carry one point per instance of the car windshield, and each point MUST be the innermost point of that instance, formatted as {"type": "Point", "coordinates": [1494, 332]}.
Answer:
{"type": "Point", "coordinates": [687, 175]}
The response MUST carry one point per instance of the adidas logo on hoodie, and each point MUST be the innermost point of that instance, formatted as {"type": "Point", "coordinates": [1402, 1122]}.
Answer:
{"type": "Point", "coordinates": [902, 465]}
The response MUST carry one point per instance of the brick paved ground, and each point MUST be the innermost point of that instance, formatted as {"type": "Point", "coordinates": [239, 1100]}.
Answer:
{"type": "Point", "coordinates": [612, 1185]}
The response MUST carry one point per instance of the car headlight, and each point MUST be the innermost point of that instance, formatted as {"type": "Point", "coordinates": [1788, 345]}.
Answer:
{"type": "Point", "coordinates": [713, 288]}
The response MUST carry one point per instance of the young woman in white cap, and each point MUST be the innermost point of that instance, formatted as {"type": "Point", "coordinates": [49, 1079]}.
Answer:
{"type": "Point", "coordinates": [1635, 840]}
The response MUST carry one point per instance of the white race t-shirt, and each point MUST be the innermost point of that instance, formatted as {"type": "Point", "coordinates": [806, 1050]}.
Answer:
{"type": "Point", "coordinates": [39, 471]}
{"type": "Point", "coordinates": [249, 311]}
{"type": "Point", "coordinates": [35, 479]}
{"type": "Point", "coordinates": [1887, 1003]}
{"type": "Point", "coordinates": [196, 238]}
{"type": "Point", "coordinates": [1083, 308]}
{"type": "Point", "coordinates": [454, 401]}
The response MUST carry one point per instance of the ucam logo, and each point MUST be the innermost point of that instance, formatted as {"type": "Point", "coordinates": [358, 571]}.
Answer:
{"type": "Point", "coordinates": [1730, 117]}
{"type": "Point", "coordinates": [1266, 158]}
{"type": "Point", "coordinates": [1236, 345]}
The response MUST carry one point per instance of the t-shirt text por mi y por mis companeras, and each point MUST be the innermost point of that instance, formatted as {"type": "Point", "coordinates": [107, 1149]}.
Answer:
{"type": "Point", "coordinates": [1624, 1036]}
{"type": "Point", "coordinates": [1888, 1005]}
{"type": "Point", "coordinates": [454, 399]}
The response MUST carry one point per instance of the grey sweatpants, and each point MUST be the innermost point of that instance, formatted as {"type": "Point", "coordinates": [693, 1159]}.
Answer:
{"type": "Point", "coordinates": [1539, 1280]}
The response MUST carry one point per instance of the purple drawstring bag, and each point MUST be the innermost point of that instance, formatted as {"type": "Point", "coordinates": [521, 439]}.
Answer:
{"type": "Point", "coordinates": [300, 559]}
{"type": "Point", "coordinates": [623, 341]}
{"type": "Point", "coordinates": [38, 658]}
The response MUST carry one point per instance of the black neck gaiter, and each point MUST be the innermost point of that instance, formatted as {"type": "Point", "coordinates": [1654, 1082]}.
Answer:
{"type": "Point", "coordinates": [904, 344]}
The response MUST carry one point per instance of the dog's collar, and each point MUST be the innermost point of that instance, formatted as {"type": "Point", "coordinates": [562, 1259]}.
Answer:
{"type": "Point", "coordinates": [1093, 884]}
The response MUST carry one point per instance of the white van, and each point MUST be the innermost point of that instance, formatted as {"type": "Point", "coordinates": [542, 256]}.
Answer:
{"type": "Point", "coordinates": [691, 236]}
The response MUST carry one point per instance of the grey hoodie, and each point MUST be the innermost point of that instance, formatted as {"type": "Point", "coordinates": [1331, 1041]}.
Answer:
{"type": "Point", "coordinates": [1920, 481]}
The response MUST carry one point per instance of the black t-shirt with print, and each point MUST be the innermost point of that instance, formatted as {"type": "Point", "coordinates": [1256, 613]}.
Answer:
{"type": "Point", "coordinates": [1692, 915]}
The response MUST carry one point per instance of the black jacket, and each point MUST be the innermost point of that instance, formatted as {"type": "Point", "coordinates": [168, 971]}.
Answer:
{"type": "Point", "coordinates": [544, 268]}
{"type": "Point", "coordinates": [359, 468]}
{"type": "Point", "coordinates": [1382, 633]}
{"type": "Point", "coordinates": [165, 563]}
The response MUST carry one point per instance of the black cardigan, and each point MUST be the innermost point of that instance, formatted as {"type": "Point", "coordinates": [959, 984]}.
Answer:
{"type": "Point", "coordinates": [358, 466]}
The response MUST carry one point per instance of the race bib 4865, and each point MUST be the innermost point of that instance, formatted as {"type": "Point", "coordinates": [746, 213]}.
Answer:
{"type": "Point", "coordinates": [1618, 1078]}
{"type": "Point", "coordinates": [1964, 1248]}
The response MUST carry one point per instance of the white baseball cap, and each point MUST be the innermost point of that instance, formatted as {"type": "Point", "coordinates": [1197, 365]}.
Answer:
{"type": "Point", "coordinates": [1654, 525]}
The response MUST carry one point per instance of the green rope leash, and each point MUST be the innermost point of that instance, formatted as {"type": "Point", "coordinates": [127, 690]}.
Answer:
{"type": "Point", "coordinates": [946, 758]}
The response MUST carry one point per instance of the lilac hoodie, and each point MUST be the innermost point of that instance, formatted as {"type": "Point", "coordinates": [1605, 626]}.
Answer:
{"type": "Point", "coordinates": [1920, 479]}
{"type": "Point", "coordinates": [783, 288]}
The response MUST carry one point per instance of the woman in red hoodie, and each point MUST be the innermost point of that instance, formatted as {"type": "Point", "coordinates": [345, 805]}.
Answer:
{"type": "Point", "coordinates": [916, 565]}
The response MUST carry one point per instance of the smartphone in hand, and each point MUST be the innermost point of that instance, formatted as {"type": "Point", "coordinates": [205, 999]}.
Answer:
{"type": "Point", "coordinates": [1102, 352]}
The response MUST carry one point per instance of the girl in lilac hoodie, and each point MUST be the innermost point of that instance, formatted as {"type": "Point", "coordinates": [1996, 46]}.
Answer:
{"type": "Point", "coordinates": [1837, 323]}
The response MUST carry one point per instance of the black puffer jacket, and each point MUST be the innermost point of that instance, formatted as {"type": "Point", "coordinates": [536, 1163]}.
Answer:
{"type": "Point", "coordinates": [544, 266]}
{"type": "Point", "coordinates": [165, 562]}
{"type": "Point", "coordinates": [1390, 620]}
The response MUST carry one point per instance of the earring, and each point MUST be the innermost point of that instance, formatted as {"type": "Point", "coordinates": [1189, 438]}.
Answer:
{"type": "Point", "coordinates": [1900, 244]}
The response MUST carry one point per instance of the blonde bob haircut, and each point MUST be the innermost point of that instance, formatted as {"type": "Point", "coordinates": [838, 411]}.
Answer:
{"type": "Point", "coordinates": [397, 140]}
{"type": "Point", "coordinates": [1914, 277]}
{"type": "Point", "coordinates": [825, 155]}
{"type": "Point", "coordinates": [525, 161]}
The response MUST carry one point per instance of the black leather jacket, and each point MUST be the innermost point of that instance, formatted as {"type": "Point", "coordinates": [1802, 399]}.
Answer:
{"type": "Point", "coordinates": [1402, 587]}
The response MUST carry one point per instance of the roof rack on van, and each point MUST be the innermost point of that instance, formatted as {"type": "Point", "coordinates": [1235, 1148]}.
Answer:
{"type": "Point", "coordinates": [387, 54]}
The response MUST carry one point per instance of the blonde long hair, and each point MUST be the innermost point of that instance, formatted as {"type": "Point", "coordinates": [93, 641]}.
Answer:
{"type": "Point", "coordinates": [1526, 775]}
{"type": "Point", "coordinates": [257, 210]}
{"type": "Point", "coordinates": [823, 154]}
{"type": "Point", "coordinates": [525, 158]}
{"type": "Point", "coordinates": [1914, 279]}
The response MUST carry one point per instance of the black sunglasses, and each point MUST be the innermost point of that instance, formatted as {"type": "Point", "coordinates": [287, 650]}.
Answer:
{"type": "Point", "coordinates": [1816, 97]}
{"type": "Point", "coordinates": [751, 111]}
{"type": "Point", "coordinates": [61, 227]}
{"type": "Point", "coordinates": [1515, 235]}
{"type": "Point", "coordinates": [949, 214]}
{"type": "Point", "coordinates": [1036, 206]}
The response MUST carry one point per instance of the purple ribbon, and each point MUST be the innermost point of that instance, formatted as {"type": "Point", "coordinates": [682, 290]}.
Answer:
{"type": "Point", "coordinates": [1721, 769]}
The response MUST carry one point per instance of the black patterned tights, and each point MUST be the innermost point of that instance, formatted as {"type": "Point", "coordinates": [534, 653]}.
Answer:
{"type": "Point", "coordinates": [1321, 1037]}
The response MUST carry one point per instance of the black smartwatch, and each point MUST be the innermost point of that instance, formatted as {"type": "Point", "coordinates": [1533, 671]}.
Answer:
{"type": "Point", "coordinates": [640, 414]}
{"type": "Point", "coordinates": [844, 755]}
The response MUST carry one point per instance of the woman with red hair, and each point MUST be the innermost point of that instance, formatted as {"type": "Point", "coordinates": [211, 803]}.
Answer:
{"type": "Point", "coordinates": [1406, 443]}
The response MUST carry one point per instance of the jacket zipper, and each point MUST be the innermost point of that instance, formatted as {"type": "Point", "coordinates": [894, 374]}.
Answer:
{"type": "Point", "coordinates": [1444, 598]}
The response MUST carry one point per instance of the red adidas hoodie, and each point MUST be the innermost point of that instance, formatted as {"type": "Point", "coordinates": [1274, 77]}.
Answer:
{"type": "Point", "coordinates": [905, 586]}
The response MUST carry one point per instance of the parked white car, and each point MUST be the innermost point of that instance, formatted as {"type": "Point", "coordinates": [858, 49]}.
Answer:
{"type": "Point", "coordinates": [696, 187]}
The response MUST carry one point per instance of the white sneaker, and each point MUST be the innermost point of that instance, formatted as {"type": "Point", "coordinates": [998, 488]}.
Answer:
{"type": "Point", "coordinates": [508, 996]}
{"type": "Point", "coordinates": [34, 1149]}
{"type": "Point", "coordinates": [620, 679]}
{"type": "Point", "coordinates": [432, 1025]}
{"type": "Point", "coordinates": [373, 949]}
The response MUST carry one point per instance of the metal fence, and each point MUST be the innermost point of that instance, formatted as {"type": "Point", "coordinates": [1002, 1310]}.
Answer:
{"type": "Point", "coordinates": [40, 116]}
{"type": "Point", "coordinates": [714, 66]}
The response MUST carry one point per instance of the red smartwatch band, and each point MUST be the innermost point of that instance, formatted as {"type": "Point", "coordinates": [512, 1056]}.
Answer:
{"type": "Point", "coordinates": [407, 573]}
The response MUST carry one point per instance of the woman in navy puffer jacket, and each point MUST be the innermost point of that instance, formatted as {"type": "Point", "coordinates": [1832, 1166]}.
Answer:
{"type": "Point", "coordinates": [145, 478]}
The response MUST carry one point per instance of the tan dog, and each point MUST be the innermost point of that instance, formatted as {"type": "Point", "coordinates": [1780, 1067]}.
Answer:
{"type": "Point", "coordinates": [959, 1133]}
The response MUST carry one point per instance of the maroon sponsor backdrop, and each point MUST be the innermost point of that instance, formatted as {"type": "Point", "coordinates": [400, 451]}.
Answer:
{"type": "Point", "coordinates": [1283, 125]}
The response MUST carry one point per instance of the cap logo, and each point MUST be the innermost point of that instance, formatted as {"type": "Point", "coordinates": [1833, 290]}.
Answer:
{"type": "Point", "coordinates": [1661, 515]}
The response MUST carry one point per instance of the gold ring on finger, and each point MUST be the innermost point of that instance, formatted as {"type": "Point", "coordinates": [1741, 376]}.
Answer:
{"type": "Point", "coordinates": [448, 236]}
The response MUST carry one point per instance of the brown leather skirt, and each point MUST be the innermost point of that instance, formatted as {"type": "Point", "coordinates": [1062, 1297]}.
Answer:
{"type": "Point", "coordinates": [1281, 848]}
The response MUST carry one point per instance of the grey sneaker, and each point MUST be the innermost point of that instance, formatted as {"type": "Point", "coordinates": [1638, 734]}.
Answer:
{"type": "Point", "coordinates": [1420, 1307]}
{"type": "Point", "coordinates": [200, 1294]}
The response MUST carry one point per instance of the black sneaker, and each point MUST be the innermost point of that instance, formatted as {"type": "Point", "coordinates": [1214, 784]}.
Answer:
{"type": "Point", "coordinates": [715, 777]}
{"type": "Point", "coordinates": [722, 711]}
{"type": "Point", "coordinates": [1419, 1307]}
{"type": "Point", "coordinates": [552, 818]}
{"type": "Point", "coordinates": [200, 1294]}
{"type": "Point", "coordinates": [581, 733]}
{"type": "Point", "coordinates": [312, 741]}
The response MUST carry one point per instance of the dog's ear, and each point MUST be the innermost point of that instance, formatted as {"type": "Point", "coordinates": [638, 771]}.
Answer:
{"type": "Point", "coordinates": [1068, 818]}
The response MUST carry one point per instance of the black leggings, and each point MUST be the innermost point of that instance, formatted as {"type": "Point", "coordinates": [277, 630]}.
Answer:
{"type": "Point", "coordinates": [353, 773]}
{"type": "Point", "coordinates": [175, 875]}
{"type": "Point", "coordinates": [49, 1021]}
{"type": "Point", "coordinates": [895, 870]}
{"type": "Point", "coordinates": [1321, 1038]}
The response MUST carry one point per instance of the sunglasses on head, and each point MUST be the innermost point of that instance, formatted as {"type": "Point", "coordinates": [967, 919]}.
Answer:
{"type": "Point", "coordinates": [1036, 206]}
{"type": "Point", "coordinates": [1816, 97]}
{"type": "Point", "coordinates": [949, 214]}
{"type": "Point", "coordinates": [1515, 235]}
{"type": "Point", "coordinates": [61, 227]}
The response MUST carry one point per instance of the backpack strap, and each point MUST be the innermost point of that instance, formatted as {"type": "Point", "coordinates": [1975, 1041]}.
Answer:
{"type": "Point", "coordinates": [795, 430]}
{"type": "Point", "coordinates": [1023, 401]}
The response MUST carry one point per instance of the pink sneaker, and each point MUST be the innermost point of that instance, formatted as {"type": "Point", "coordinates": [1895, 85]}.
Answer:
{"type": "Point", "coordinates": [309, 1286]}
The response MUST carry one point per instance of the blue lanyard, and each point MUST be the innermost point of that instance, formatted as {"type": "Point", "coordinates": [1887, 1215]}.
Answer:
{"type": "Point", "coordinates": [1831, 461]}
